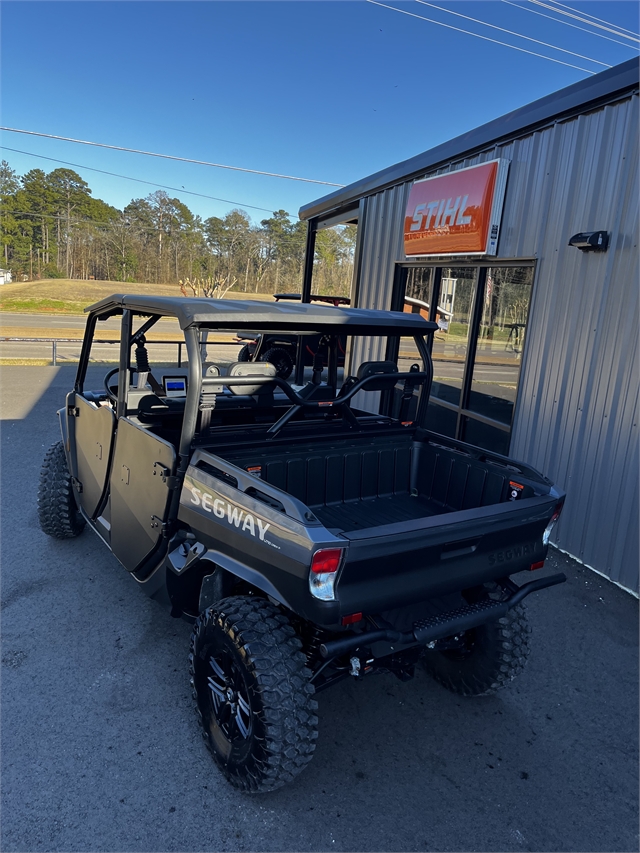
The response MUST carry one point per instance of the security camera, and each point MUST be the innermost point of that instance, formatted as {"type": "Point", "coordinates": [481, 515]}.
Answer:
{"type": "Point", "coordinates": [591, 241]}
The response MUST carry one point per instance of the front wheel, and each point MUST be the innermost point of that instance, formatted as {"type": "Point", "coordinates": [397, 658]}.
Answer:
{"type": "Point", "coordinates": [487, 659]}
{"type": "Point", "coordinates": [253, 693]}
{"type": "Point", "coordinates": [58, 512]}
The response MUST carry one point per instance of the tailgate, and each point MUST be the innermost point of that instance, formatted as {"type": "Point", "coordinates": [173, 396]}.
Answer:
{"type": "Point", "coordinates": [398, 564]}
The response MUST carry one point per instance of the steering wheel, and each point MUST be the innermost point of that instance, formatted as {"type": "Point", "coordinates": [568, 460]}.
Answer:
{"type": "Point", "coordinates": [113, 397]}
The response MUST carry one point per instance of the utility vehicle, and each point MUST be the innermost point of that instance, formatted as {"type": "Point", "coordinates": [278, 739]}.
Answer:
{"type": "Point", "coordinates": [312, 533]}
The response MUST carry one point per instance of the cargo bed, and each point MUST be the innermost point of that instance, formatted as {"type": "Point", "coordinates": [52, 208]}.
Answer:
{"type": "Point", "coordinates": [366, 481]}
{"type": "Point", "coordinates": [421, 515]}
{"type": "Point", "coordinates": [372, 512]}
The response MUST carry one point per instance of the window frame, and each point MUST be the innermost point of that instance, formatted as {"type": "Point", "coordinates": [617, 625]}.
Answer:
{"type": "Point", "coordinates": [462, 410]}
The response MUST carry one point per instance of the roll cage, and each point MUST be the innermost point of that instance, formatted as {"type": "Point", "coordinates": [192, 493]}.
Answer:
{"type": "Point", "coordinates": [196, 315]}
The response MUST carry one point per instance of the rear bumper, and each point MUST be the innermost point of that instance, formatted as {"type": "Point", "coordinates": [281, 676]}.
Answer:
{"type": "Point", "coordinates": [444, 624]}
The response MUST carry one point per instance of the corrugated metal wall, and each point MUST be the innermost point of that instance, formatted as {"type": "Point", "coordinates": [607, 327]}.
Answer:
{"type": "Point", "coordinates": [577, 413]}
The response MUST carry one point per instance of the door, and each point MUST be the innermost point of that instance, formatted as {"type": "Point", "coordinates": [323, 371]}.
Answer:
{"type": "Point", "coordinates": [93, 426]}
{"type": "Point", "coordinates": [140, 492]}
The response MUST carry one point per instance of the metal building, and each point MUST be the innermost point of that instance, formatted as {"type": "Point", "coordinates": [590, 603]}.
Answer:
{"type": "Point", "coordinates": [538, 351]}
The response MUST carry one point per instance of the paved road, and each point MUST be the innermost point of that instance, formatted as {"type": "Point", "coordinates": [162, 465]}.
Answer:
{"type": "Point", "coordinates": [54, 322]}
{"type": "Point", "coordinates": [101, 752]}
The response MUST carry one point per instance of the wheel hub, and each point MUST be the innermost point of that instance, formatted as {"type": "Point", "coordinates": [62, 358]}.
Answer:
{"type": "Point", "coordinates": [229, 698]}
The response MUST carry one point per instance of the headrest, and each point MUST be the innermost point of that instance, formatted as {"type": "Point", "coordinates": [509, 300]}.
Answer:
{"type": "Point", "coordinates": [375, 368]}
{"type": "Point", "coordinates": [250, 368]}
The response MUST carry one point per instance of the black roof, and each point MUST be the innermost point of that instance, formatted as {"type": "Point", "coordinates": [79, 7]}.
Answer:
{"type": "Point", "coordinates": [579, 97]}
{"type": "Point", "coordinates": [286, 317]}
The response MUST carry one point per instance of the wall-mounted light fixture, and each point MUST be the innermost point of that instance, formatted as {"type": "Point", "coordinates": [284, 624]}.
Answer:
{"type": "Point", "coordinates": [591, 241]}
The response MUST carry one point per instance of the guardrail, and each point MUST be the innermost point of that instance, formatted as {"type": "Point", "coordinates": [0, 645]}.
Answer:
{"type": "Point", "coordinates": [55, 341]}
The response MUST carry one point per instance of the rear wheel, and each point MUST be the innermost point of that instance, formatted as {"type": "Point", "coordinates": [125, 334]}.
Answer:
{"type": "Point", "coordinates": [281, 360]}
{"type": "Point", "coordinates": [58, 512]}
{"type": "Point", "coordinates": [253, 693]}
{"type": "Point", "coordinates": [486, 659]}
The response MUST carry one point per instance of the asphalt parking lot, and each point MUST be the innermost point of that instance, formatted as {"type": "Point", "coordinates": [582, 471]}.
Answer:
{"type": "Point", "coordinates": [101, 750]}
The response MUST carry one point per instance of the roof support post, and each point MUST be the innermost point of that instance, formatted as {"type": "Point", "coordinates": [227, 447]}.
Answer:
{"type": "Point", "coordinates": [84, 354]}
{"type": "Point", "coordinates": [192, 403]}
{"type": "Point", "coordinates": [307, 277]}
{"type": "Point", "coordinates": [125, 353]}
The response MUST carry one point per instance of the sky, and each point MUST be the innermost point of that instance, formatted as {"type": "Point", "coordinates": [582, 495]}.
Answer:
{"type": "Point", "coordinates": [330, 90]}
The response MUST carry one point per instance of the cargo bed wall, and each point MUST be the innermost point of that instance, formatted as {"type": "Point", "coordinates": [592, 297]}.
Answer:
{"type": "Point", "coordinates": [322, 474]}
{"type": "Point", "coordinates": [364, 482]}
{"type": "Point", "coordinates": [453, 480]}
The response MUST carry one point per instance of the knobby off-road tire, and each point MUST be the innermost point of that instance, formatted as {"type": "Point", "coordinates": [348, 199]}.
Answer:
{"type": "Point", "coordinates": [493, 655]}
{"type": "Point", "coordinates": [246, 352]}
{"type": "Point", "coordinates": [281, 360]}
{"type": "Point", "coordinates": [254, 698]}
{"type": "Point", "coordinates": [58, 512]}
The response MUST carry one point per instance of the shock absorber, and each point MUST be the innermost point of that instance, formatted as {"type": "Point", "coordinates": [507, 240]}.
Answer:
{"type": "Point", "coordinates": [142, 361]}
{"type": "Point", "coordinates": [144, 370]}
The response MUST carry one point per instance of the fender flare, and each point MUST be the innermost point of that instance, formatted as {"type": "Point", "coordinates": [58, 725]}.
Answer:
{"type": "Point", "coordinates": [239, 570]}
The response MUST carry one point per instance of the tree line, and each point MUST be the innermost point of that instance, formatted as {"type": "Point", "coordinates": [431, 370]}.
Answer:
{"type": "Point", "coordinates": [52, 227]}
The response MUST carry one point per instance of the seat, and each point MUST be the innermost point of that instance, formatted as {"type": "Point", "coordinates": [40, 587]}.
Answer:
{"type": "Point", "coordinates": [156, 412]}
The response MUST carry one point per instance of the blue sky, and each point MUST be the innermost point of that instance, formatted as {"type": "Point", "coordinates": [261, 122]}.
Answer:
{"type": "Point", "coordinates": [327, 90]}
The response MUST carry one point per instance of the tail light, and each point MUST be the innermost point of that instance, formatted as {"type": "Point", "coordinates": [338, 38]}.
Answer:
{"type": "Point", "coordinates": [552, 523]}
{"type": "Point", "coordinates": [324, 570]}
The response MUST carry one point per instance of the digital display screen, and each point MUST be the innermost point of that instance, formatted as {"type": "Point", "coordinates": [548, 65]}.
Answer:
{"type": "Point", "coordinates": [175, 386]}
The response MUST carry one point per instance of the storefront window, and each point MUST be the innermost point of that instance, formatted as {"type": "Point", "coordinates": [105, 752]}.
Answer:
{"type": "Point", "coordinates": [408, 355]}
{"type": "Point", "coordinates": [482, 314]}
{"type": "Point", "coordinates": [500, 341]}
{"type": "Point", "coordinates": [418, 292]}
{"type": "Point", "coordinates": [451, 343]}
{"type": "Point", "coordinates": [334, 258]}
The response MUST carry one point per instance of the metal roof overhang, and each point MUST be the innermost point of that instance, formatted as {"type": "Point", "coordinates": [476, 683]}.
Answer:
{"type": "Point", "coordinates": [577, 98]}
{"type": "Point", "coordinates": [283, 317]}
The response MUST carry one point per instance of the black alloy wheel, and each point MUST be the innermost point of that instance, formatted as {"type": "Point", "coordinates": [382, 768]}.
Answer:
{"type": "Point", "coordinates": [253, 693]}
{"type": "Point", "coordinates": [229, 697]}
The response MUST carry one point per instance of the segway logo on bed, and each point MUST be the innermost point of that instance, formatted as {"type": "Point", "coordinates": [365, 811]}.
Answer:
{"type": "Point", "coordinates": [510, 554]}
{"type": "Point", "coordinates": [234, 516]}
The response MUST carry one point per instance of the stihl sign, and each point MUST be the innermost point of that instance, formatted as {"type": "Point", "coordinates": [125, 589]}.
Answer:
{"type": "Point", "coordinates": [457, 213]}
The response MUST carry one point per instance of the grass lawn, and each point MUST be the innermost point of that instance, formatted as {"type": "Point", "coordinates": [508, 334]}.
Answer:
{"type": "Point", "coordinates": [70, 296]}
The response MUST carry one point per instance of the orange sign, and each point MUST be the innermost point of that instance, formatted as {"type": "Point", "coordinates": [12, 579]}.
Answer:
{"type": "Point", "coordinates": [457, 213]}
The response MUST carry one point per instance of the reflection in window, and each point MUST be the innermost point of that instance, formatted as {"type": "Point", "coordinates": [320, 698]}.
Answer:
{"type": "Point", "coordinates": [405, 397]}
{"type": "Point", "coordinates": [483, 435]}
{"type": "Point", "coordinates": [408, 355]}
{"type": "Point", "coordinates": [418, 291]}
{"type": "Point", "coordinates": [500, 342]}
{"type": "Point", "coordinates": [450, 343]}
{"type": "Point", "coordinates": [333, 262]}
{"type": "Point", "coordinates": [442, 420]}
